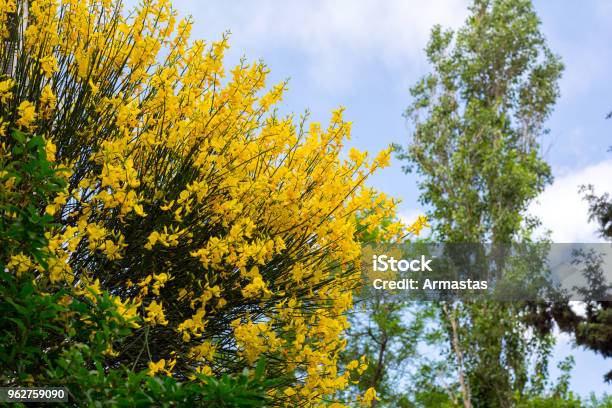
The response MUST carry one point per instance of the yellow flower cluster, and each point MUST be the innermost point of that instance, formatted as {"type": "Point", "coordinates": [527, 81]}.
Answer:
{"type": "Point", "coordinates": [161, 366]}
{"type": "Point", "coordinates": [240, 227]}
{"type": "Point", "coordinates": [155, 314]}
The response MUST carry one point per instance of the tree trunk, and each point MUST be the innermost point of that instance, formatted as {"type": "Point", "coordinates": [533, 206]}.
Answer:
{"type": "Point", "coordinates": [465, 386]}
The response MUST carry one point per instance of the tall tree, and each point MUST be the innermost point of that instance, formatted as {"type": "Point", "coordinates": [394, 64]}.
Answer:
{"type": "Point", "coordinates": [477, 118]}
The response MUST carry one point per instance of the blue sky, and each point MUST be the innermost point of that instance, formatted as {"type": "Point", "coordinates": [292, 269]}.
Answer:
{"type": "Point", "coordinates": [365, 54]}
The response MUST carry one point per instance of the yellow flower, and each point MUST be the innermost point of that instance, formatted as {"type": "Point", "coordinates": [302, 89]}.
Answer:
{"type": "Point", "coordinates": [155, 314]}
{"type": "Point", "coordinates": [161, 367]}
{"type": "Point", "coordinates": [126, 310]}
{"type": "Point", "coordinates": [112, 250]}
{"type": "Point", "coordinates": [20, 263]}
{"type": "Point", "coordinates": [95, 234]}
{"type": "Point", "coordinates": [255, 288]}
{"type": "Point", "coordinates": [94, 88]}
{"type": "Point", "coordinates": [48, 101]}
{"type": "Point", "coordinates": [205, 351]}
{"type": "Point", "coordinates": [419, 225]}
{"type": "Point", "coordinates": [27, 115]}
{"type": "Point", "coordinates": [48, 65]}
{"type": "Point", "coordinates": [155, 368]}
{"type": "Point", "coordinates": [206, 370]}
{"type": "Point", "coordinates": [383, 159]}
{"type": "Point", "coordinates": [50, 150]}
{"type": "Point", "coordinates": [110, 352]}
{"type": "Point", "coordinates": [369, 396]}
{"type": "Point", "coordinates": [160, 281]}
{"type": "Point", "coordinates": [92, 290]}
{"type": "Point", "coordinates": [352, 365]}
{"type": "Point", "coordinates": [6, 87]}
{"type": "Point", "coordinates": [357, 156]}
{"type": "Point", "coordinates": [139, 210]}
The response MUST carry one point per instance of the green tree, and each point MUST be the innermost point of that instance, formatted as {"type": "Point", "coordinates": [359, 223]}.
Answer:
{"type": "Point", "coordinates": [592, 330]}
{"type": "Point", "coordinates": [386, 330]}
{"type": "Point", "coordinates": [477, 118]}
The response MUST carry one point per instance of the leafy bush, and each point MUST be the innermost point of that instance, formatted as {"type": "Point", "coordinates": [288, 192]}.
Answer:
{"type": "Point", "coordinates": [63, 337]}
{"type": "Point", "coordinates": [227, 232]}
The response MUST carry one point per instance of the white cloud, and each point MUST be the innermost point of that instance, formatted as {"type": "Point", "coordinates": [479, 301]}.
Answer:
{"type": "Point", "coordinates": [336, 37]}
{"type": "Point", "coordinates": [561, 207]}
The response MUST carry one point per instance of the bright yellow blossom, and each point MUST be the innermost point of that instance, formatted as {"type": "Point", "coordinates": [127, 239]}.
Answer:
{"type": "Point", "coordinates": [369, 396]}
{"type": "Point", "coordinates": [161, 367]}
{"type": "Point", "coordinates": [6, 87]}
{"type": "Point", "coordinates": [19, 264]}
{"type": "Point", "coordinates": [48, 65]}
{"type": "Point", "coordinates": [251, 217]}
{"type": "Point", "coordinates": [27, 115]}
{"type": "Point", "coordinates": [155, 314]}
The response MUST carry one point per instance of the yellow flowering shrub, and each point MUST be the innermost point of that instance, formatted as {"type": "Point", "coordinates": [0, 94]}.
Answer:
{"type": "Point", "coordinates": [230, 230]}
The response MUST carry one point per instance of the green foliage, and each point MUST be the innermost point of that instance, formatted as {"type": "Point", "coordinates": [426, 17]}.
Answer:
{"type": "Point", "coordinates": [83, 332]}
{"type": "Point", "coordinates": [477, 120]}
{"type": "Point", "coordinates": [386, 331]}
{"type": "Point", "coordinates": [121, 387]}
{"type": "Point", "coordinates": [600, 210]}
{"type": "Point", "coordinates": [27, 183]}
{"type": "Point", "coordinates": [593, 328]}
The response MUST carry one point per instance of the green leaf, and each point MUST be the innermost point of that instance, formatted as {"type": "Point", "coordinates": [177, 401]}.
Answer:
{"type": "Point", "coordinates": [18, 136]}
